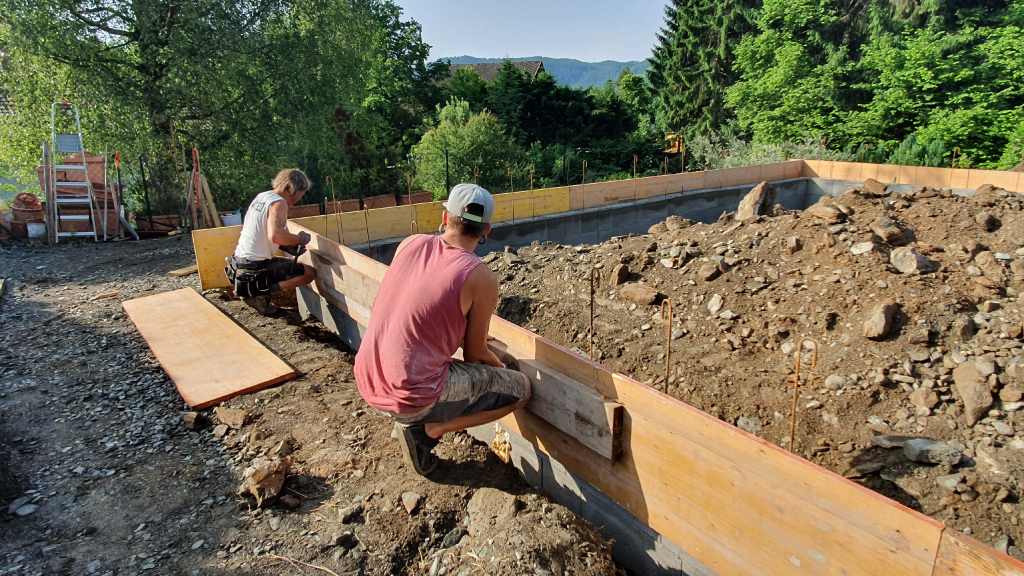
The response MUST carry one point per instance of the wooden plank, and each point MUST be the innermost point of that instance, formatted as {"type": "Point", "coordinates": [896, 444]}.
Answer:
{"type": "Point", "coordinates": [868, 171]}
{"type": "Point", "coordinates": [522, 205]}
{"type": "Point", "coordinates": [963, 556]}
{"type": "Point", "coordinates": [208, 356]}
{"type": "Point", "coordinates": [846, 171]}
{"type": "Point", "coordinates": [211, 247]}
{"type": "Point", "coordinates": [608, 193]}
{"type": "Point", "coordinates": [772, 172]}
{"type": "Point", "coordinates": [996, 178]}
{"type": "Point", "coordinates": [572, 407]}
{"type": "Point", "coordinates": [888, 173]}
{"type": "Point", "coordinates": [502, 208]}
{"type": "Point", "coordinates": [576, 197]}
{"type": "Point", "coordinates": [694, 180]}
{"type": "Point", "coordinates": [712, 178]}
{"type": "Point", "coordinates": [740, 176]}
{"type": "Point", "coordinates": [391, 222]}
{"type": "Point", "coordinates": [428, 216]}
{"type": "Point", "coordinates": [184, 271]}
{"type": "Point", "coordinates": [810, 168]}
{"type": "Point", "coordinates": [650, 187]}
{"type": "Point", "coordinates": [907, 175]}
{"type": "Point", "coordinates": [934, 177]}
{"type": "Point", "coordinates": [794, 169]}
{"type": "Point", "coordinates": [959, 178]}
{"type": "Point", "coordinates": [551, 201]}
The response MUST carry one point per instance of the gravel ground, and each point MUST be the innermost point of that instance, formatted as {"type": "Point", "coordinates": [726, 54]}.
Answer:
{"type": "Point", "coordinates": [101, 475]}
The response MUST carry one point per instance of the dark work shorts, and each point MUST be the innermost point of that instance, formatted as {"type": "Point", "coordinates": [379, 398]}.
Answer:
{"type": "Point", "coordinates": [281, 269]}
{"type": "Point", "coordinates": [469, 389]}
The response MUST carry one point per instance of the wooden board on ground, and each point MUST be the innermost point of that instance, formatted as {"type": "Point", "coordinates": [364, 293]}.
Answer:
{"type": "Point", "coordinates": [963, 556]}
{"type": "Point", "coordinates": [184, 271]}
{"type": "Point", "coordinates": [206, 354]}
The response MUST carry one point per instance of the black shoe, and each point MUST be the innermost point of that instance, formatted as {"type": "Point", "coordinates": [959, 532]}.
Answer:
{"type": "Point", "coordinates": [416, 447]}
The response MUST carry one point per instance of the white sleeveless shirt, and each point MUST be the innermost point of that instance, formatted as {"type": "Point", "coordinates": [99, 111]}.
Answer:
{"type": "Point", "coordinates": [253, 244]}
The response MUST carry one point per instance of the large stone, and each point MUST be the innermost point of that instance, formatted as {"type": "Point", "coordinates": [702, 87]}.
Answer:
{"type": "Point", "coordinates": [964, 328]}
{"type": "Point", "coordinates": [987, 221]}
{"type": "Point", "coordinates": [974, 391]}
{"type": "Point", "coordinates": [233, 417]}
{"type": "Point", "coordinates": [1010, 394]}
{"type": "Point", "coordinates": [758, 202]}
{"type": "Point", "coordinates": [888, 231]}
{"type": "Point", "coordinates": [862, 248]}
{"type": "Point", "coordinates": [835, 382]}
{"type": "Point", "coordinates": [826, 212]}
{"type": "Point", "coordinates": [988, 263]}
{"type": "Point", "coordinates": [674, 223]}
{"type": "Point", "coordinates": [930, 452]}
{"type": "Point", "coordinates": [639, 293]}
{"type": "Point", "coordinates": [873, 187]}
{"type": "Point", "coordinates": [489, 509]}
{"type": "Point", "coordinates": [877, 326]}
{"type": "Point", "coordinates": [619, 274]}
{"type": "Point", "coordinates": [986, 365]}
{"type": "Point", "coordinates": [410, 500]}
{"type": "Point", "coordinates": [909, 261]}
{"type": "Point", "coordinates": [924, 398]}
{"type": "Point", "coordinates": [715, 304]}
{"type": "Point", "coordinates": [266, 481]}
{"type": "Point", "coordinates": [708, 272]}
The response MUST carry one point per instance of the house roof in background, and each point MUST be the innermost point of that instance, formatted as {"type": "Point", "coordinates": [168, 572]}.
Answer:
{"type": "Point", "coordinates": [488, 70]}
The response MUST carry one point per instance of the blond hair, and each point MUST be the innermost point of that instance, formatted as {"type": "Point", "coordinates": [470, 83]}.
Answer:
{"type": "Point", "coordinates": [290, 180]}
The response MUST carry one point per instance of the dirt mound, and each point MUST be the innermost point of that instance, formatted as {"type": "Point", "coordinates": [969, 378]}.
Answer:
{"type": "Point", "coordinates": [898, 292]}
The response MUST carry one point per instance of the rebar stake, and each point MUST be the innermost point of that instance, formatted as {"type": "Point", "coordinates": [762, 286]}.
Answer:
{"type": "Point", "coordinates": [334, 204]}
{"type": "Point", "coordinates": [668, 338]}
{"type": "Point", "coordinates": [414, 228]}
{"type": "Point", "coordinates": [595, 274]}
{"type": "Point", "coordinates": [796, 384]}
{"type": "Point", "coordinates": [476, 172]}
{"type": "Point", "coordinates": [635, 158]}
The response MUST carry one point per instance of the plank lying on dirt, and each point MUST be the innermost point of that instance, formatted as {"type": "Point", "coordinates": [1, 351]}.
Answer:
{"type": "Point", "coordinates": [963, 556]}
{"type": "Point", "coordinates": [734, 502]}
{"type": "Point", "coordinates": [207, 355]}
{"type": "Point", "coordinates": [184, 271]}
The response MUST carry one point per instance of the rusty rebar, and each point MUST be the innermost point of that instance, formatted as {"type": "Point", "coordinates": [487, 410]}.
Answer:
{"type": "Point", "coordinates": [635, 158]}
{"type": "Point", "coordinates": [595, 274]}
{"type": "Point", "coordinates": [668, 338]}
{"type": "Point", "coordinates": [476, 172]}
{"type": "Point", "coordinates": [796, 384]}
{"type": "Point", "coordinates": [414, 228]}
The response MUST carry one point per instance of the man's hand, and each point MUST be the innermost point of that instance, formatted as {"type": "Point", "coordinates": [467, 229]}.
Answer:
{"type": "Point", "coordinates": [510, 361]}
{"type": "Point", "coordinates": [296, 249]}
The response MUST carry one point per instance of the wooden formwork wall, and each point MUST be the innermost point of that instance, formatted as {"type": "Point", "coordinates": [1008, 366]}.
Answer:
{"type": "Point", "coordinates": [213, 245]}
{"type": "Point", "coordinates": [736, 503]}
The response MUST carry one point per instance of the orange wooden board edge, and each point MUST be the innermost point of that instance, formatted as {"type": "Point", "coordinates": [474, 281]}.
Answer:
{"type": "Point", "coordinates": [205, 353]}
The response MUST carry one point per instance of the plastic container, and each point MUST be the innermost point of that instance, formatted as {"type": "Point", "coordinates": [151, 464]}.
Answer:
{"type": "Point", "coordinates": [36, 230]}
{"type": "Point", "coordinates": [233, 219]}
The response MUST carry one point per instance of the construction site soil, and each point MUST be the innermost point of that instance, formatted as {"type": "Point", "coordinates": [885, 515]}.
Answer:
{"type": "Point", "coordinates": [101, 476]}
{"type": "Point", "coordinates": [913, 303]}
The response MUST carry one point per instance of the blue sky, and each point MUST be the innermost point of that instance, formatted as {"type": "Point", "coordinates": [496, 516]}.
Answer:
{"type": "Point", "coordinates": [591, 30]}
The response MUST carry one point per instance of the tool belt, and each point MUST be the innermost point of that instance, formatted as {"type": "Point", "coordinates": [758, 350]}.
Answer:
{"type": "Point", "coordinates": [251, 278]}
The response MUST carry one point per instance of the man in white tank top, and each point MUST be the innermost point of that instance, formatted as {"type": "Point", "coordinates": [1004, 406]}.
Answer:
{"type": "Point", "coordinates": [253, 268]}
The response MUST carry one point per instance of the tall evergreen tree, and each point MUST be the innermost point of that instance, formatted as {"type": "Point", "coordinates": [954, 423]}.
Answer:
{"type": "Point", "coordinates": [692, 64]}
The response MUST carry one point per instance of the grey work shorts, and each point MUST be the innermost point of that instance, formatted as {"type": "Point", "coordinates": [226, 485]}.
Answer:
{"type": "Point", "coordinates": [469, 389]}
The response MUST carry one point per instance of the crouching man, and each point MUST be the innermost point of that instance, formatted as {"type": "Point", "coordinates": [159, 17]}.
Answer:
{"type": "Point", "coordinates": [437, 296]}
{"type": "Point", "coordinates": [253, 269]}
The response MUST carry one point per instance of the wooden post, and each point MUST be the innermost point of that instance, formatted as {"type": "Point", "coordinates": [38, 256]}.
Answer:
{"type": "Point", "coordinates": [53, 226]}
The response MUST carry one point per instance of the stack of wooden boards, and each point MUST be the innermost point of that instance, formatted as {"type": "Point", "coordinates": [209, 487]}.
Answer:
{"type": "Point", "coordinates": [734, 502]}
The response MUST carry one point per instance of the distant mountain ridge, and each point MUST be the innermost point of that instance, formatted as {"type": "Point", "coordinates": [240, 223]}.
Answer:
{"type": "Point", "coordinates": [568, 71]}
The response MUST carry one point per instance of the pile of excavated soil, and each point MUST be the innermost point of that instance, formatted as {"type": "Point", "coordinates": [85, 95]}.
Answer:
{"type": "Point", "coordinates": [911, 299]}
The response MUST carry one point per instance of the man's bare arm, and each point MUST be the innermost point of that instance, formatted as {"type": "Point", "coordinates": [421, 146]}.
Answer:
{"type": "Point", "coordinates": [277, 226]}
{"type": "Point", "coordinates": [482, 285]}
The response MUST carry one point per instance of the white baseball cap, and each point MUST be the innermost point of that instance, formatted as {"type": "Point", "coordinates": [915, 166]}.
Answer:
{"type": "Point", "coordinates": [471, 202]}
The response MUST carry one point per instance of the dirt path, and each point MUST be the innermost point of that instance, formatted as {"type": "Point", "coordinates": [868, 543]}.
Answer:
{"type": "Point", "coordinates": [102, 477]}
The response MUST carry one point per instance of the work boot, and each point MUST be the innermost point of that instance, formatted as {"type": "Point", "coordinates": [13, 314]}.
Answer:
{"type": "Point", "coordinates": [416, 447]}
{"type": "Point", "coordinates": [261, 304]}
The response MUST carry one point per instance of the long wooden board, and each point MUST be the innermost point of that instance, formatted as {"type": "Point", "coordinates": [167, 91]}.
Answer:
{"type": "Point", "coordinates": [734, 502]}
{"type": "Point", "coordinates": [207, 355]}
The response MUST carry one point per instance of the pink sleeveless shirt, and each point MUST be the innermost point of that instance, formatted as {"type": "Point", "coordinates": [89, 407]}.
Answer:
{"type": "Point", "coordinates": [415, 326]}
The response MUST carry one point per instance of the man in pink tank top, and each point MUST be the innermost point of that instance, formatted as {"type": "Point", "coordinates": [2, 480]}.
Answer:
{"type": "Point", "coordinates": [436, 297]}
